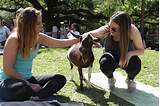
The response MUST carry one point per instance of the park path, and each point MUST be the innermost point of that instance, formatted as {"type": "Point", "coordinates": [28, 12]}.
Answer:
{"type": "Point", "coordinates": [145, 95]}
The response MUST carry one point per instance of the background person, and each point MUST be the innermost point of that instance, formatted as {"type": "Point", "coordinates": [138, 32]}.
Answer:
{"type": "Point", "coordinates": [74, 31]}
{"type": "Point", "coordinates": [4, 33]}
{"type": "Point", "coordinates": [54, 31]}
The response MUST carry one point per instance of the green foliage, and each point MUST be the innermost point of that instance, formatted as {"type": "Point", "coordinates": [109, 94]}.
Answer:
{"type": "Point", "coordinates": [88, 4]}
{"type": "Point", "coordinates": [9, 7]}
{"type": "Point", "coordinates": [85, 12]}
{"type": "Point", "coordinates": [7, 16]}
{"type": "Point", "coordinates": [133, 8]}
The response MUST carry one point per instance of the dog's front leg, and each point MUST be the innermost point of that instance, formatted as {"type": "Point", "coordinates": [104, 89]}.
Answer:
{"type": "Point", "coordinates": [89, 76]}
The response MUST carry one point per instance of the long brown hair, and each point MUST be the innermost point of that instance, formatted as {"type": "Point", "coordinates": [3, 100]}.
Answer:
{"type": "Point", "coordinates": [123, 20]}
{"type": "Point", "coordinates": [26, 30]}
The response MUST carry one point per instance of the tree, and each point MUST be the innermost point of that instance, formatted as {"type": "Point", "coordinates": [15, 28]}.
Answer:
{"type": "Point", "coordinates": [55, 11]}
{"type": "Point", "coordinates": [142, 17]}
{"type": "Point", "coordinates": [88, 13]}
{"type": "Point", "coordinates": [144, 13]}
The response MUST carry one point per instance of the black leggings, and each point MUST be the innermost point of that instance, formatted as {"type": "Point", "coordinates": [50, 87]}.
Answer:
{"type": "Point", "coordinates": [109, 62]}
{"type": "Point", "coordinates": [18, 90]}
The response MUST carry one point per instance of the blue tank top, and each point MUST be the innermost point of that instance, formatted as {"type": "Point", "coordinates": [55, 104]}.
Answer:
{"type": "Point", "coordinates": [23, 66]}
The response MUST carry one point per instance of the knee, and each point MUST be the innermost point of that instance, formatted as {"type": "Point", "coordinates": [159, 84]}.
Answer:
{"type": "Point", "coordinates": [24, 93]}
{"type": "Point", "coordinates": [134, 65]}
{"type": "Point", "coordinates": [17, 91]}
{"type": "Point", "coordinates": [60, 78]}
{"type": "Point", "coordinates": [107, 63]}
{"type": "Point", "coordinates": [135, 61]}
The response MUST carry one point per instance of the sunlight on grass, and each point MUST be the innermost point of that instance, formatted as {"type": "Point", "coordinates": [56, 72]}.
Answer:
{"type": "Point", "coordinates": [53, 61]}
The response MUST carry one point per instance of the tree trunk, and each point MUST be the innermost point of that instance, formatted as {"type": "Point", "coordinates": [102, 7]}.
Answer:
{"type": "Point", "coordinates": [142, 17]}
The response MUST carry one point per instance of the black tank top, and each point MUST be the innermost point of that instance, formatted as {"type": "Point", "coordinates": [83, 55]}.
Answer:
{"type": "Point", "coordinates": [114, 47]}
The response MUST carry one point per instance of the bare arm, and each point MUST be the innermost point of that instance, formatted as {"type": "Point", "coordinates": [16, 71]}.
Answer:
{"type": "Point", "coordinates": [9, 57]}
{"type": "Point", "coordinates": [52, 42]}
{"type": "Point", "coordinates": [101, 32]}
{"type": "Point", "coordinates": [137, 41]}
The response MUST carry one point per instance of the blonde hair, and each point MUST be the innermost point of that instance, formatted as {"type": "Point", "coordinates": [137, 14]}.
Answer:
{"type": "Point", "coordinates": [123, 20]}
{"type": "Point", "coordinates": [18, 12]}
{"type": "Point", "coordinates": [26, 30]}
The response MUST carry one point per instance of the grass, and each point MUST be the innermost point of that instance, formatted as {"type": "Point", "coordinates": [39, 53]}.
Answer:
{"type": "Point", "coordinates": [53, 61]}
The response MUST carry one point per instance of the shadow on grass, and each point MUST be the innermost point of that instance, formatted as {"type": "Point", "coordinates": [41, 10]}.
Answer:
{"type": "Point", "coordinates": [101, 97]}
{"type": "Point", "coordinates": [43, 49]}
{"type": "Point", "coordinates": [63, 98]}
{"type": "Point", "coordinates": [117, 100]}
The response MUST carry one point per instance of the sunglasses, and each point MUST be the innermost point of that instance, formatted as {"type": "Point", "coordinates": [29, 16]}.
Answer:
{"type": "Point", "coordinates": [112, 28]}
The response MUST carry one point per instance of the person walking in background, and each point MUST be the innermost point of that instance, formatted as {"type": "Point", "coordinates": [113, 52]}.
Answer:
{"type": "Point", "coordinates": [4, 33]}
{"type": "Point", "coordinates": [123, 45]}
{"type": "Point", "coordinates": [54, 31]}
{"type": "Point", "coordinates": [74, 31]}
{"type": "Point", "coordinates": [16, 79]}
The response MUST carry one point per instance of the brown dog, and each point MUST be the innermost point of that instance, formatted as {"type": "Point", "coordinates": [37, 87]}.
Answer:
{"type": "Point", "coordinates": [81, 55]}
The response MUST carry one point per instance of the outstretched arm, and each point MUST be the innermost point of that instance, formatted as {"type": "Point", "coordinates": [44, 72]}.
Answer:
{"type": "Point", "coordinates": [52, 42]}
{"type": "Point", "coordinates": [101, 32]}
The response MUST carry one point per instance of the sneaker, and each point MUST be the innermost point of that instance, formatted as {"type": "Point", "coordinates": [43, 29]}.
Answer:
{"type": "Point", "coordinates": [131, 85]}
{"type": "Point", "coordinates": [111, 82]}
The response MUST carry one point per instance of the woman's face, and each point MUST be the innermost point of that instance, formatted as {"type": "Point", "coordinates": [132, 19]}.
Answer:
{"type": "Point", "coordinates": [39, 24]}
{"type": "Point", "coordinates": [72, 28]}
{"type": "Point", "coordinates": [114, 28]}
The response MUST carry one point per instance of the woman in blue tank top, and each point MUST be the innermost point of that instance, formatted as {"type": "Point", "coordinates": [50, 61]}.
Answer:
{"type": "Point", "coordinates": [16, 79]}
{"type": "Point", "coordinates": [123, 45]}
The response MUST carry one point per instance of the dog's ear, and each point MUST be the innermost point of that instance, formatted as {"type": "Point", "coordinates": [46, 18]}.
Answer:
{"type": "Point", "coordinates": [95, 39]}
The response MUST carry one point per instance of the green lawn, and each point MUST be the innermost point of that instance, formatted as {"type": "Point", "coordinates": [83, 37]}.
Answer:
{"type": "Point", "coordinates": [52, 61]}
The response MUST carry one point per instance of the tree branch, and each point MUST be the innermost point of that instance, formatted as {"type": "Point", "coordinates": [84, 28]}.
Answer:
{"type": "Point", "coordinates": [36, 4]}
{"type": "Point", "coordinates": [84, 13]}
{"type": "Point", "coordinates": [7, 9]}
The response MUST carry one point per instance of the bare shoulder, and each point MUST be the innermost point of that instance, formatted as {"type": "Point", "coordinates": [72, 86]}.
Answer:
{"type": "Point", "coordinates": [134, 28]}
{"type": "Point", "coordinates": [134, 32]}
{"type": "Point", "coordinates": [12, 39]}
{"type": "Point", "coordinates": [11, 48]}
{"type": "Point", "coordinates": [13, 35]}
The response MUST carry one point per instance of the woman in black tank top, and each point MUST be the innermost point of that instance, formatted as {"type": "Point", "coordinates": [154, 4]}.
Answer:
{"type": "Point", "coordinates": [123, 45]}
